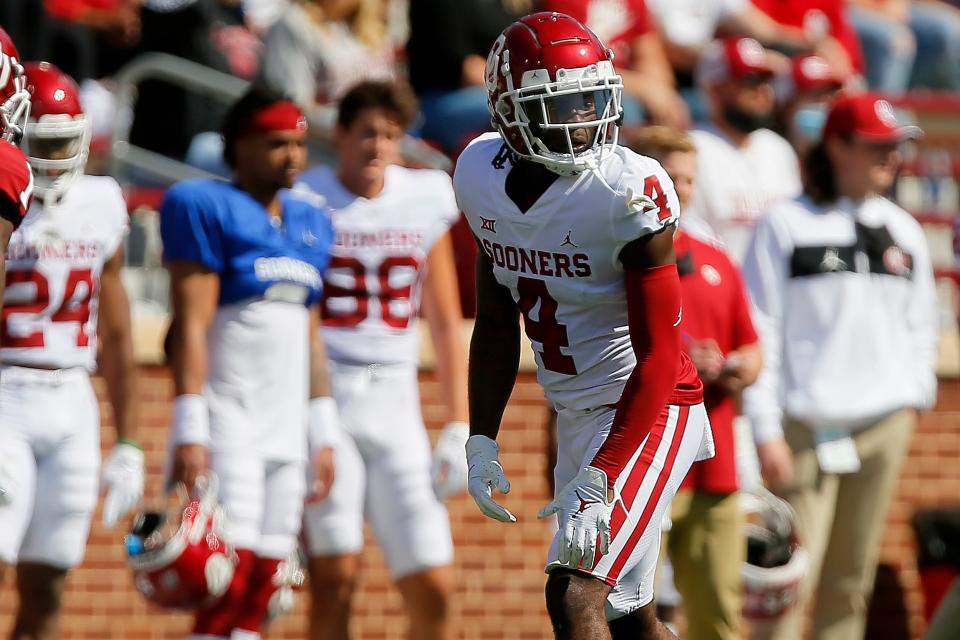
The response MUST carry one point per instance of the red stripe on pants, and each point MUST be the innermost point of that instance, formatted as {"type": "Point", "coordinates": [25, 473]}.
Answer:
{"type": "Point", "coordinates": [654, 498]}
{"type": "Point", "coordinates": [638, 472]}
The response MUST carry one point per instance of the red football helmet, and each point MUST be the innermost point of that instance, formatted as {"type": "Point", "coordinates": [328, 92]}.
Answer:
{"type": "Point", "coordinates": [181, 560]}
{"type": "Point", "coordinates": [14, 98]}
{"type": "Point", "coordinates": [776, 562]}
{"type": "Point", "coordinates": [553, 93]}
{"type": "Point", "coordinates": [57, 139]}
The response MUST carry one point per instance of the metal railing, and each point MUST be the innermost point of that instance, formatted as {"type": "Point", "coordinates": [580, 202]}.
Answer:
{"type": "Point", "coordinates": [210, 83]}
{"type": "Point", "coordinates": [183, 73]}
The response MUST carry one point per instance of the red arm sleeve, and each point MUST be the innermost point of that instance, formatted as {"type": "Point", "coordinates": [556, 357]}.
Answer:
{"type": "Point", "coordinates": [653, 315]}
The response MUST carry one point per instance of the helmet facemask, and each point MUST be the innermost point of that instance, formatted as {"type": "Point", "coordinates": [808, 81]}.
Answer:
{"type": "Point", "coordinates": [566, 125]}
{"type": "Point", "coordinates": [15, 110]}
{"type": "Point", "coordinates": [776, 562]}
{"type": "Point", "coordinates": [57, 147]}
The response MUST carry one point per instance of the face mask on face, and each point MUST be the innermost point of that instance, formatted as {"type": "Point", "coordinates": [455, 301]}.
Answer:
{"type": "Point", "coordinates": [743, 121]}
{"type": "Point", "coordinates": [808, 121]}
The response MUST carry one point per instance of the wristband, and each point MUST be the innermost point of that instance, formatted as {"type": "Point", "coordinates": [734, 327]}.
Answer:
{"type": "Point", "coordinates": [323, 423]}
{"type": "Point", "coordinates": [191, 420]}
{"type": "Point", "coordinates": [130, 442]}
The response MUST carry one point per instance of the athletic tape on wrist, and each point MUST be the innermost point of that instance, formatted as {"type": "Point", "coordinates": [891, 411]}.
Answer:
{"type": "Point", "coordinates": [323, 423]}
{"type": "Point", "coordinates": [191, 420]}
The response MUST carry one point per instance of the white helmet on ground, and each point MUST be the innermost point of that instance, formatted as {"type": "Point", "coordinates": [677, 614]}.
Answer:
{"type": "Point", "coordinates": [776, 562]}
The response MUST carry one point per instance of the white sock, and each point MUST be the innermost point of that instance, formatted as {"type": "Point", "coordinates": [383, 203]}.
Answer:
{"type": "Point", "coordinates": [239, 634]}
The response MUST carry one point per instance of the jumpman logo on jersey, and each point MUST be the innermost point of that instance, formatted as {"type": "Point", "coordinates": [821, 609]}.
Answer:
{"type": "Point", "coordinates": [584, 503]}
{"type": "Point", "coordinates": [488, 224]}
{"type": "Point", "coordinates": [832, 261]}
{"type": "Point", "coordinates": [567, 240]}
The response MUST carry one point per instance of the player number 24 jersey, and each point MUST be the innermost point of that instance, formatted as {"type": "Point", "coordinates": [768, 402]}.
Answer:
{"type": "Point", "coordinates": [54, 263]}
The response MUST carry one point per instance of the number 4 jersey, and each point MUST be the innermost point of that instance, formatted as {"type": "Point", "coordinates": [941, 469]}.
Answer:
{"type": "Point", "coordinates": [54, 262]}
{"type": "Point", "coordinates": [560, 261]}
{"type": "Point", "coordinates": [372, 287]}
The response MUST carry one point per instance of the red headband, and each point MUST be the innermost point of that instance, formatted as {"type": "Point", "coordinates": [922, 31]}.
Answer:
{"type": "Point", "coordinates": [279, 116]}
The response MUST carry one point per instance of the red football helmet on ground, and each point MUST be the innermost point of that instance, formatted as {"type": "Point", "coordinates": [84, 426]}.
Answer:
{"type": "Point", "coordinates": [553, 93]}
{"type": "Point", "coordinates": [57, 136]}
{"type": "Point", "coordinates": [776, 563]}
{"type": "Point", "coordinates": [14, 98]}
{"type": "Point", "coordinates": [180, 559]}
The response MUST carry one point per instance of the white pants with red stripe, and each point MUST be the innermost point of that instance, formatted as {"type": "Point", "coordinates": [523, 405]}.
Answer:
{"type": "Point", "coordinates": [645, 488]}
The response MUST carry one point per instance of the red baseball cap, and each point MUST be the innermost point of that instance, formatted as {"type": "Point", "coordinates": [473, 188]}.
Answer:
{"type": "Point", "coordinates": [733, 58]}
{"type": "Point", "coordinates": [867, 117]}
{"type": "Point", "coordinates": [812, 72]}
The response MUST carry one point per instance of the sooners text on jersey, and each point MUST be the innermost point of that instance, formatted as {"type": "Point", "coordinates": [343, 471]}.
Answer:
{"type": "Point", "coordinates": [54, 262]}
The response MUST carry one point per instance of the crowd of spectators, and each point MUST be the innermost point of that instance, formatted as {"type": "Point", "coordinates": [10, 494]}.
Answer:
{"type": "Point", "coordinates": [314, 49]}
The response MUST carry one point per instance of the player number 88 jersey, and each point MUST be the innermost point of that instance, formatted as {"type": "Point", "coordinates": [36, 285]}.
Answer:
{"type": "Point", "coordinates": [372, 287]}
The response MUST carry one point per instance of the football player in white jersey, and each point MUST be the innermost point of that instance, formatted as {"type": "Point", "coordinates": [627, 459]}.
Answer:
{"type": "Point", "coordinates": [63, 293]}
{"type": "Point", "coordinates": [392, 245]}
{"type": "Point", "coordinates": [576, 235]}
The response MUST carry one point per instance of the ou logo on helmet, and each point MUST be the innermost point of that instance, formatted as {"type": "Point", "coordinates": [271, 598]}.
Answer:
{"type": "Point", "coordinates": [493, 60]}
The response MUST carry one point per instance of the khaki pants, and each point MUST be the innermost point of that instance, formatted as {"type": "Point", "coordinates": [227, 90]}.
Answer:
{"type": "Point", "coordinates": [841, 521]}
{"type": "Point", "coordinates": [707, 548]}
{"type": "Point", "coordinates": [946, 623]}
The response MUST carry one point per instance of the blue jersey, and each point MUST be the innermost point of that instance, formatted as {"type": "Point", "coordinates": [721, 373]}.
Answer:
{"type": "Point", "coordinates": [223, 228]}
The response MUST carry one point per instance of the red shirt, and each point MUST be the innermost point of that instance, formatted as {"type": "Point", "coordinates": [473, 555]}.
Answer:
{"type": "Point", "coordinates": [714, 306]}
{"type": "Point", "coordinates": [618, 23]}
{"type": "Point", "coordinates": [816, 18]}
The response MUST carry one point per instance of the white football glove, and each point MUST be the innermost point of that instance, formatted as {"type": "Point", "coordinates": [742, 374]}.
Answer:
{"type": "Point", "coordinates": [584, 516]}
{"type": "Point", "coordinates": [122, 478]}
{"type": "Point", "coordinates": [449, 468]}
{"type": "Point", "coordinates": [485, 473]}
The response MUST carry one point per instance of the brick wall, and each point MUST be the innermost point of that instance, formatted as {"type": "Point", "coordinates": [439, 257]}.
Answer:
{"type": "Point", "coordinates": [499, 567]}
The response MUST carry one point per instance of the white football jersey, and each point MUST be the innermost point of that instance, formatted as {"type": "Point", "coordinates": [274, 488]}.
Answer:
{"type": "Point", "coordinates": [736, 185]}
{"type": "Point", "coordinates": [54, 262]}
{"type": "Point", "coordinates": [371, 296]}
{"type": "Point", "coordinates": [560, 260]}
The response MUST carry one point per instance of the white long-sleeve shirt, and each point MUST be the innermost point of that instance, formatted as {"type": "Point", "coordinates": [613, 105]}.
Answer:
{"type": "Point", "coordinates": [845, 306]}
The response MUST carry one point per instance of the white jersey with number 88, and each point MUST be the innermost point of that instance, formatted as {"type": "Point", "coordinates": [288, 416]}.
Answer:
{"type": "Point", "coordinates": [371, 296]}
